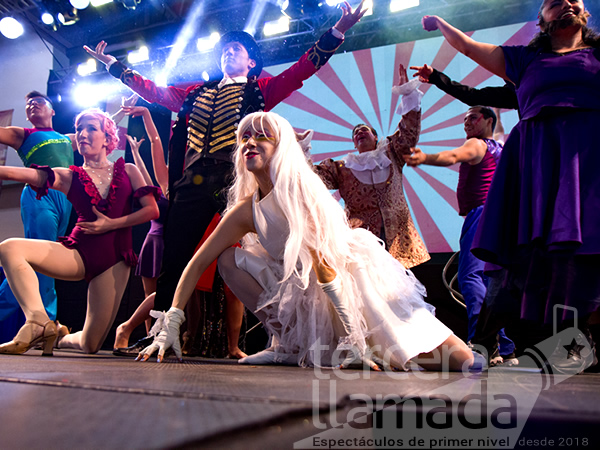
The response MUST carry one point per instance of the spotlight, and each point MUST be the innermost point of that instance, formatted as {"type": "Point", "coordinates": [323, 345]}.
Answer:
{"type": "Point", "coordinates": [96, 3]}
{"type": "Point", "coordinates": [87, 95]}
{"type": "Point", "coordinates": [205, 76]}
{"type": "Point", "coordinates": [87, 67]}
{"type": "Point", "coordinates": [368, 5]}
{"type": "Point", "coordinates": [334, 2]}
{"type": "Point", "coordinates": [139, 55]}
{"type": "Point", "coordinates": [277, 26]}
{"type": "Point", "coordinates": [47, 18]}
{"type": "Point", "coordinates": [80, 4]}
{"type": "Point", "coordinates": [399, 5]}
{"type": "Point", "coordinates": [68, 17]}
{"type": "Point", "coordinates": [11, 28]}
{"type": "Point", "coordinates": [207, 43]}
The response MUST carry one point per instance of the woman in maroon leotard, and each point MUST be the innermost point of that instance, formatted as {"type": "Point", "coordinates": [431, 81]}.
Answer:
{"type": "Point", "coordinates": [99, 247]}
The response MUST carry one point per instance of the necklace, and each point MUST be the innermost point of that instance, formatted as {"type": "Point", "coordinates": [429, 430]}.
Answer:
{"type": "Point", "coordinates": [97, 165]}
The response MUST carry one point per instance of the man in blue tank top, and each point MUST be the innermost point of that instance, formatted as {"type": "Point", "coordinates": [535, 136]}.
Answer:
{"type": "Point", "coordinates": [478, 157]}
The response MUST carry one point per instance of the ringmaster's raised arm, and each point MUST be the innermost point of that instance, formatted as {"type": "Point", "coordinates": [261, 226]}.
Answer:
{"type": "Point", "coordinates": [200, 166]}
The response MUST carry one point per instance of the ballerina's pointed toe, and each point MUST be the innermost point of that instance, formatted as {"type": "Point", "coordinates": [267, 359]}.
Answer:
{"type": "Point", "coordinates": [29, 336]}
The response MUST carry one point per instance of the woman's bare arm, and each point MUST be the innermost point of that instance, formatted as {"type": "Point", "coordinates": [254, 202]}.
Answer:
{"type": "Point", "coordinates": [234, 226]}
{"type": "Point", "coordinates": [488, 56]}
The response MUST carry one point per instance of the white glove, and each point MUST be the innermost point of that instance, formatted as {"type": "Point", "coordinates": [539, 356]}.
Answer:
{"type": "Point", "coordinates": [333, 289]}
{"type": "Point", "coordinates": [167, 337]}
{"type": "Point", "coordinates": [354, 359]}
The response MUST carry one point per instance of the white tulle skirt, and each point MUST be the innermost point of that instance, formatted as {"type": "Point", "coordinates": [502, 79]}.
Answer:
{"type": "Point", "coordinates": [388, 314]}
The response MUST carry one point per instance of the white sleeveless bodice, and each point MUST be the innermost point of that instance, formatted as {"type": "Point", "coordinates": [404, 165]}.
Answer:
{"type": "Point", "coordinates": [271, 225]}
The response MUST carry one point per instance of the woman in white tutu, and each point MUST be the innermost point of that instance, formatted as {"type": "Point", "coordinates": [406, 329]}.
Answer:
{"type": "Point", "coordinates": [326, 293]}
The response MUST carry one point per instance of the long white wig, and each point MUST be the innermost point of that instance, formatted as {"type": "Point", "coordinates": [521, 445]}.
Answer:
{"type": "Point", "coordinates": [318, 222]}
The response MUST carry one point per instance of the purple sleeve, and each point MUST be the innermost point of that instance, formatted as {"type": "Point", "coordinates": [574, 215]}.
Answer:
{"type": "Point", "coordinates": [517, 58]}
{"type": "Point", "coordinates": [41, 191]}
{"type": "Point", "coordinates": [145, 190]}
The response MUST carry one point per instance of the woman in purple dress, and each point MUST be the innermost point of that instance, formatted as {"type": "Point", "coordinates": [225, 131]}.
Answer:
{"type": "Point", "coordinates": [99, 249]}
{"type": "Point", "coordinates": [541, 218]}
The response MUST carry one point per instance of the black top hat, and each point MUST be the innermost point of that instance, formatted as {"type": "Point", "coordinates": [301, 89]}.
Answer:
{"type": "Point", "coordinates": [249, 44]}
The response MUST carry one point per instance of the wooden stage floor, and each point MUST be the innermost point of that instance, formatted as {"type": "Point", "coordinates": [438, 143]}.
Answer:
{"type": "Point", "coordinates": [101, 401]}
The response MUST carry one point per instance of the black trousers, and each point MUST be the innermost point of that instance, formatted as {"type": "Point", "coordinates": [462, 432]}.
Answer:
{"type": "Point", "coordinates": [197, 196]}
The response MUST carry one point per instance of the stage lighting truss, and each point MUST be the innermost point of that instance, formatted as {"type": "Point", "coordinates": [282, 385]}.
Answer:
{"type": "Point", "coordinates": [56, 13]}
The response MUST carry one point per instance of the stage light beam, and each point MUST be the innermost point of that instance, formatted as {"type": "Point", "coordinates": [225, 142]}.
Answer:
{"type": "Point", "coordinates": [192, 22]}
{"type": "Point", "coordinates": [256, 13]}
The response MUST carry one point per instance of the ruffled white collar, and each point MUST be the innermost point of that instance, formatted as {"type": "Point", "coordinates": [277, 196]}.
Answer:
{"type": "Point", "coordinates": [375, 159]}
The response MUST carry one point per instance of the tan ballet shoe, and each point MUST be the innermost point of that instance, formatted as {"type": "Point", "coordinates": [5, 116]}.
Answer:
{"type": "Point", "coordinates": [25, 338]}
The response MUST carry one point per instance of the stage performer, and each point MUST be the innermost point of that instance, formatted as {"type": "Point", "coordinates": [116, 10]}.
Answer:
{"type": "Point", "coordinates": [499, 349]}
{"type": "Point", "coordinates": [200, 167]}
{"type": "Point", "coordinates": [318, 286]}
{"type": "Point", "coordinates": [370, 183]}
{"type": "Point", "coordinates": [478, 158]}
{"type": "Point", "coordinates": [541, 219]}
{"type": "Point", "coordinates": [151, 254]}
{"type": "Point", "coordinates": [48, 217]}
{"type": "Point", "coordinates": [99, 249]}
{"type": "Point", "coordinates": [150, 257]}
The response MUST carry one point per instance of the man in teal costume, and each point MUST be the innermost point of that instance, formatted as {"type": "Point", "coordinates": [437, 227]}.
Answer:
{"type": "Point", "coordinates": [46, 218]}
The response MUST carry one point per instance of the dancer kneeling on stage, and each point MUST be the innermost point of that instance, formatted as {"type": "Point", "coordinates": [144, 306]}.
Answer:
{"type": "Point", "coordinates": [320, 288]}
{"type": "Point", "coordinates": [98, 249]}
